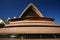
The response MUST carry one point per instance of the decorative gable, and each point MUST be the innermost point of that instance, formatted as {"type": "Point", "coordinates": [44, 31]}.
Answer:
{"type": "Point", "coordinates": [31, 11]}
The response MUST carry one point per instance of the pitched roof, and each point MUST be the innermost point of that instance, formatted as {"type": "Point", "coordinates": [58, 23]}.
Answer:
{"type": "Point", "coordinates": [31, 10]}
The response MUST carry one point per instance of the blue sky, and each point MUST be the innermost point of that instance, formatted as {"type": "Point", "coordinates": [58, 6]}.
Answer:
{"type": "Point", "coordinates": [11, 8]}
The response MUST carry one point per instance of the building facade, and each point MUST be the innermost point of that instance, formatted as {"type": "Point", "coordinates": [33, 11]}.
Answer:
{"type": "Point", "coordinates": [30, 24]}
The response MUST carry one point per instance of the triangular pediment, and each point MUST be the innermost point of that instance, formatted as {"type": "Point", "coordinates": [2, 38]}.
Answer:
{"type": "Point", "coordinates": [31, 11]}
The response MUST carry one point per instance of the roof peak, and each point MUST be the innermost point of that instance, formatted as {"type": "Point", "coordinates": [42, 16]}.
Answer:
{"type": "Point", "coordinates": [34, 8]}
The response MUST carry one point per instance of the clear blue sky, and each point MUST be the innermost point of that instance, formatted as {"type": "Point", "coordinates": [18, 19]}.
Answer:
{"type": "Point", "coordinates": [11, 8]}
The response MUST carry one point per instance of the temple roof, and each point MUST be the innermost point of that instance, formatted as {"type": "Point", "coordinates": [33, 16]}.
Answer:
{"type": "Point", "coordinates": [31, 13]}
